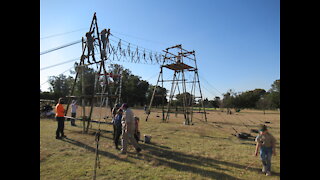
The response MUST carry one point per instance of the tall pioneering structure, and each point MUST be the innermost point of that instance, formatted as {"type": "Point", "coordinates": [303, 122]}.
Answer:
{"type": "Point", "coordinates": [181, 62]}
{"type": "Point", "coordinates": [96, 41]}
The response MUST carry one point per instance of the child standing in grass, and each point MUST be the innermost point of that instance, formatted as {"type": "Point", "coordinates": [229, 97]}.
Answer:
{"type": "Point", "coordinates": [266, 143]}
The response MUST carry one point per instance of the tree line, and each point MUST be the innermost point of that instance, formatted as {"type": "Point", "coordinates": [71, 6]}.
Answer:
{"type": "Point", "coordinates": [134, 90]}
{"type": "Point", "coordinates": [138, 92]}
{"type": "Point", "coordinates": [252, 99]}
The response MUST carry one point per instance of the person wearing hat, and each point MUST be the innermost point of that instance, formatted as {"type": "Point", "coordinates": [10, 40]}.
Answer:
{"type": "Point", "coordinates": [128, 129]}
{"type": "Point", "coordinates": [267, 145]}
{"type": "Point", "coordinates": [60, 119]}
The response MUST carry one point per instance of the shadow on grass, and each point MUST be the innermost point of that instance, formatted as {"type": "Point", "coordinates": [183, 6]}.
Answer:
{"type": "Point", "coordinates": [234, 124]}
{"type": "Point", "coordinates": [92, 149]}
{"type": "Point", "coordinates": [93, 129]}
{"type": "Point", "coordinates": [186, 162]}
{"type": "Point", "coordinates": [159, 146]}
{"type": "Point", "coordinates": [92, 133]}
{"type": "Point", "coordinates": [211, 137]}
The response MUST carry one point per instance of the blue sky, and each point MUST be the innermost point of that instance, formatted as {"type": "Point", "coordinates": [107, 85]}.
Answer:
{"type": "Point", "coordinates": [237, 42]}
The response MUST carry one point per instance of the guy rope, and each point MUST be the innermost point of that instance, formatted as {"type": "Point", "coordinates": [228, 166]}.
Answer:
{"type": "Point", "coordinates": [98, 133]}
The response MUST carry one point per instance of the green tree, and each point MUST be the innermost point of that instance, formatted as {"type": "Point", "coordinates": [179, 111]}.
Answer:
{"type": "Point", "coordinates": [60, 85]}
{"type": "Point", "coordinates": [216, 102]}
{"type": "Point", "coordinates": [274, 95]}
{"type": "Point", "coordinates": [159, 96]}
{"type": "Point", "coordinates": [248, 99]}
{"type": "Point", "coordinates": [264, 103]}
{"type": "Point", "coordinates": [133, 89]}
{"type": "Point", "coordinates": [189, 99]}
{"type": "Point", "coordinates": [228, 99]}
{"type": "Point", "coordinates": [206, 103]}
{"type": "Point", "coordinates": [275, 87]}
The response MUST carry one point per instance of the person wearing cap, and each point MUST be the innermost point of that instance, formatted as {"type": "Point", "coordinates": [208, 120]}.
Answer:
{"type": "Point", "coordinates": [267, 145]}
{"type": "Point", "coordinates": [60, 119]}
{"type": "Point", "coordinates": [74, 107]}
{"type": "Point", "coordinates": [128, 129]}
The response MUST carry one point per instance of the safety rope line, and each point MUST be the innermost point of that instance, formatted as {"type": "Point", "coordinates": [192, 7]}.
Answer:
{"type": "Point", "coordinates": [98, 133]}
{"type": "Point", "coordinates": [60, 34]}
{"type": "Point", "coordinates": [212, 125]}
{"type": "Point", "coordinates": [57, 48]}
{"type": "Point", "coordinates": [230, 124]}
{"type": "Point", "coordinates": [60, 73]}
{"type": "Point", "coordinates": [238, 119]}
{"type": "Point", "coordinates": [244, 124]}
{"type": "Point", "coordinates": [65, 62]}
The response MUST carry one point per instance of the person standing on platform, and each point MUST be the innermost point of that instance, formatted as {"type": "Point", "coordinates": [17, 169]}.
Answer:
{"type": "Point", "coordinates": [90, 45]}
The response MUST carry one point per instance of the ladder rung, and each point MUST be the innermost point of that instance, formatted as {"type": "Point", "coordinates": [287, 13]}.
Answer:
{"type": "Point", "coordinates": [110, 74]}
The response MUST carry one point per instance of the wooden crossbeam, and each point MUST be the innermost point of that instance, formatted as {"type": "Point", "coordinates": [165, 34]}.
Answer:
{"type": "Point", "coordinates": [179, 45]}
{"type": "Point", "coordinates": [178, 66]}
{"type": "Point", "coordinates": [110, 74]}
{"type": "Point", "coordinates": [102, 122]}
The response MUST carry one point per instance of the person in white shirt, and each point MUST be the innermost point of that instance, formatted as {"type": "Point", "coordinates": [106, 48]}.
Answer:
{"type": "Point", "coordinates": [128, 129]}
{"type": "Point", "coordinates": [74, 107]}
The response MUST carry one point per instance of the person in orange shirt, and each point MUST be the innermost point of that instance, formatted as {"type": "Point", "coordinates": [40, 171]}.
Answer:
{"type": "Point", "coordinates": [60, 119]}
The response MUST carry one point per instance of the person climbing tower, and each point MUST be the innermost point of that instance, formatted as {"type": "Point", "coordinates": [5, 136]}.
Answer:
{"type": "Point", "coordinates": [90, 45]}
{"type": "Point", "coordinates": [105, 40]}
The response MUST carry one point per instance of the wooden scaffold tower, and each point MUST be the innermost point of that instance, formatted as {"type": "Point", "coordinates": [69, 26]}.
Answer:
{"type": "Point", "coordinates": [102, 92]}
{"type": "Point", "coordinates": [175, 60]}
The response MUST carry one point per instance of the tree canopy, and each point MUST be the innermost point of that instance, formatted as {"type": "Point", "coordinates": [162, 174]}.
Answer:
{"type": "Point", "coordinates": [138, 92]}
{"type": "Point", "coordinates": [134, 90]}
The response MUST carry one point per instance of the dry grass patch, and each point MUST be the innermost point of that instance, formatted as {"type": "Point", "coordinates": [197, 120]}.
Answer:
{"type": "Point", "coordinates": [202, 151]}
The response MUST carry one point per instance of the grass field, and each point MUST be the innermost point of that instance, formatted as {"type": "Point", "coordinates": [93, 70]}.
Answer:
{"type": "Point", "coordinates": [201, 151]}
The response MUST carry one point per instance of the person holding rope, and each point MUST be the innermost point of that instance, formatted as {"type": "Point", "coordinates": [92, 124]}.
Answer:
{"type": "Point", "coordinates": [128, 129]}
{"type": "Point", "coordinates": [60, 119]}
{"type": "Point", "coordinates": [267, 145]}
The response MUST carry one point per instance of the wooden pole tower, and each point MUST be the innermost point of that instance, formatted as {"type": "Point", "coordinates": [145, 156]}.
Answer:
{"type": "Point", "coordinates": [178, 57]}
{"type": "Point", "coordinates": [94, 37]}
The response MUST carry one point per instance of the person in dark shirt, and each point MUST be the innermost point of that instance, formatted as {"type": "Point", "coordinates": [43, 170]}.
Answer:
{"type": "Point", "coordinates": [117, 127]}
{"type": "Point", "coordinates": [90, 45]}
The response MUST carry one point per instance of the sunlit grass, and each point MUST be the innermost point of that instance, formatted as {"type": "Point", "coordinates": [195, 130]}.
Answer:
{"type": "Point", "coordinates": [202, 151]}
